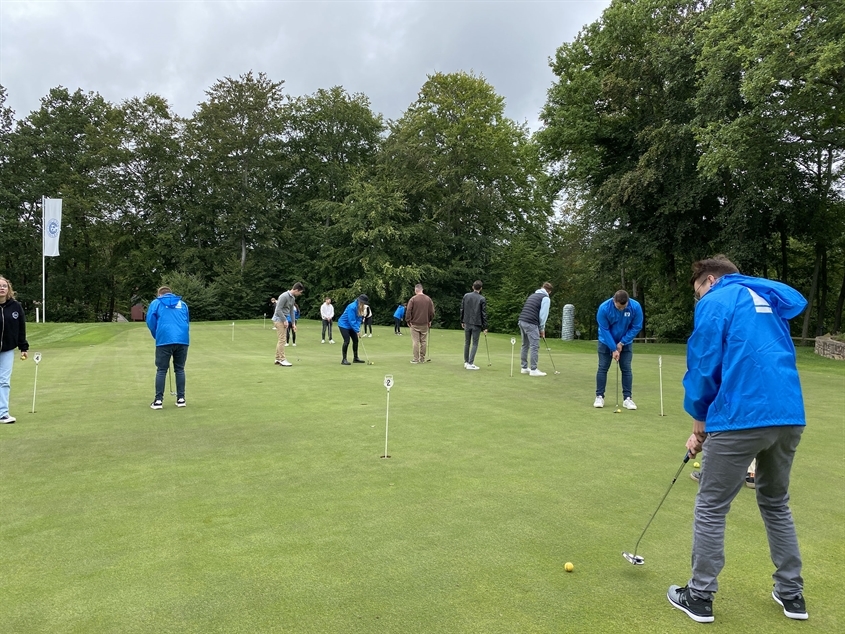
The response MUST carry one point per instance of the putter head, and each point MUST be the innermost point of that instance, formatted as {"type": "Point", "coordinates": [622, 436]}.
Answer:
{"type": "Point", "coordinates": [557, 371]}
{"type": "Point", "coordinates": [637, 560]}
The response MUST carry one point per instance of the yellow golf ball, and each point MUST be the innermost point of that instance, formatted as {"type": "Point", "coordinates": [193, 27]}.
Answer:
{"type": "Point", "coordinates": [697, 465]}
{"type": "Point", "coordinates": [568, 567]}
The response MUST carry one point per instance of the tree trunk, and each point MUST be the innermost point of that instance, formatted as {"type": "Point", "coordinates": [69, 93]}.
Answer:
{"type": "Point", "coordinates": [806, 329]}
{"type": "Point", "coordinates": [840, 302]}
{"type": "Point", "coordinates": [823, 299]}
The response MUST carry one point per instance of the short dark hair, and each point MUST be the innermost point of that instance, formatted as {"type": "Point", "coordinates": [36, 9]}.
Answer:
{"type": "Point", "coordinates": [477, 285]}
{"type": "Point", "coordinates": [547, 286]}
{"type": "Point", "coordinates": [298, 287]}
{"type": "Point", "coordinates": [621, 297]}
{"type": "Point", "coordinates": [717, 266]}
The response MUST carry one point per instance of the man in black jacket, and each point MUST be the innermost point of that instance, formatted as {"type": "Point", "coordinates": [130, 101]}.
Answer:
{"type": "Point", "coordinates": [473, 321]}
{"type": "Point", "coordinates": [12, 335]}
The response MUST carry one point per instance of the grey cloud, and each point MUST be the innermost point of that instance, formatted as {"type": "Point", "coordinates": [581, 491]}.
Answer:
{"type": "Point", "coordinates": [382, 49]}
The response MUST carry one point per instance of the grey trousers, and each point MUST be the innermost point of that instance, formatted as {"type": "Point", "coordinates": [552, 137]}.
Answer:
{"type": "Point", "coordinates": [471, 335]}
{"type": "Point", "coordinates": [530, 341]}
{"type": "Point", "coordinates": [726, 459]}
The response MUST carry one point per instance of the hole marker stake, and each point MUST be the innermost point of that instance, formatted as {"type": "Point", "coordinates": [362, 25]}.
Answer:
{"type": "Point", "coordinates": [37, 359]}
{"type": "Point", "coordinates": [388, 383]}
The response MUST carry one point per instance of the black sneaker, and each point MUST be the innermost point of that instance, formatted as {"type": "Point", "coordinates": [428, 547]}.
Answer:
{"type": "Point", "coordinates": [344, 362]}
{"type": "Point", "coordinates": [793, 608]}
{"type": "Point", "coordinates": [698, 610]}
{"type": "Point", "coordinates": [156, 404]}
{"type": "Point", "coordinates": [357, 361]}
{"type": "Point", "coordinates": [180, 402]}
{"type": "Point", "coordinates": [7, 419]}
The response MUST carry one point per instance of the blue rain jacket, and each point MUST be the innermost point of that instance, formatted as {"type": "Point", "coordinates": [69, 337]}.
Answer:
{"type": "Point", "coordinates": [350, 319]}
{"type": "Point", "coordinates": [400, 312]}
{"type": "Point", "coordinates": [167, 319]}
{"type": "Point", "coordinates": [741, 371]}
{"type": "Point", "coordinates": [619, 325]}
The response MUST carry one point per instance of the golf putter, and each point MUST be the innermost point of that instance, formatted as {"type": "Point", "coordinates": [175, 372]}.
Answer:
{"type": "Point", "coordinates": [170, 376]}
{"type": "Point", "coordinates": [551, 358]}
{"type": "Point", "coordinates": [489, 363]}
{"type": "Point", "coordinates": [364, 348]}
{"type": "Point", "coordinates": [618, 409]}
{"type": "Point", "coordinates": [636, 559]}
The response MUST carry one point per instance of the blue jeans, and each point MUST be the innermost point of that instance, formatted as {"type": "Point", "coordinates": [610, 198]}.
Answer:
{"type": "Point", "coordinates": [605, 359]}
{"type": "Point", "coordinates": [7, 359]}
{"type": "Point", "coordinates": [179, 353]}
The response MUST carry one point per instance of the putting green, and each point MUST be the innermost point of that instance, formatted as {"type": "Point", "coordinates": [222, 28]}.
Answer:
{"type": "Point", "coordinates": [263, 506]}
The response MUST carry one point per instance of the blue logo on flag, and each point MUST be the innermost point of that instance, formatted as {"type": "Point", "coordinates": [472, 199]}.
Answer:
{"type": "Point", "coordinates": [53, 228]}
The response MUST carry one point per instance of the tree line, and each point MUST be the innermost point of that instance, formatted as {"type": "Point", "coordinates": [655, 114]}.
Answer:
{"type": "Point", "coordinates": [672, 131]}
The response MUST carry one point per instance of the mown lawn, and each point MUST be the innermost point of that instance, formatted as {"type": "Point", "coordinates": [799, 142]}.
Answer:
{"type": "Point", "coordinates": [264, 506]}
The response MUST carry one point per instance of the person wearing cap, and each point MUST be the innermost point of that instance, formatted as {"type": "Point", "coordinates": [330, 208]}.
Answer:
{"type": "Point", "coordinates": [349, 325]}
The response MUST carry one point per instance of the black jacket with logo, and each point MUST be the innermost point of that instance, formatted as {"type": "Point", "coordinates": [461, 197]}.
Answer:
{"type": "Point", "coordinates": [12, 327]}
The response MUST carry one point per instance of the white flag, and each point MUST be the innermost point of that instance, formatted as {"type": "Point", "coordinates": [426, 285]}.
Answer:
{"type": "Point", "coordinates": [52, 225]}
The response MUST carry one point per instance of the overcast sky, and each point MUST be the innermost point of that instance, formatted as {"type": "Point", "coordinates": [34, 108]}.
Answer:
{"type": "Point", "coordinates": [178, 48]}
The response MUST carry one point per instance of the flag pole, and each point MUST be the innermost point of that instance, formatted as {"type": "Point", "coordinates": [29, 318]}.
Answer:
{"type": "Point", "coordinates": [43, 265]}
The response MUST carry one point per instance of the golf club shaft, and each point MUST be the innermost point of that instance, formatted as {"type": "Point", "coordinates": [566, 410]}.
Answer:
{"type": "Point", "coordinates": [488, 349]}
{"type": "Point", "coordinates": [549, 350]}
{"type": "Point", "coordinates": [34, 388]}
{"type": "Point", "coordinates": [681, 468]}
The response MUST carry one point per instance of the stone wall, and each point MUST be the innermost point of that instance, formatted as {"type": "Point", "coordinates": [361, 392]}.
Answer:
{"type": "Point", "coordinates": [830, 348]}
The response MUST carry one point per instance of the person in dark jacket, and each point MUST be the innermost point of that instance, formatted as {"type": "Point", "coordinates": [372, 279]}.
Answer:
{"type": "Point", "coordinates": [743, 393]}
{"type": "Point", "coordinates": [12, 335]}
{"type": "Point", "coordinates": [474, 322]}
{"type": "Point", "coordinates": [169, 323]}
{"type": "Point", "coordinates": [532, 326]}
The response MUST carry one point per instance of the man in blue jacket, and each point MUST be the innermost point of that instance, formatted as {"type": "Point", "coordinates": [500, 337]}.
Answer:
{"type": "Point", "coordinates": [620, 318]}
{"type": "Point", "coordinates": [168, 321]}
{"type": "Point", "coordinates": [744, 395]}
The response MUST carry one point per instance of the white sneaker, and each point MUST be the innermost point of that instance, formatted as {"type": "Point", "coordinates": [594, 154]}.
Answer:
{"type": "Point", "coordinates": [472, 366]}
{"type": "Point", "coordinates": [331, 340]}
{"type": "Point", "coordinates": [323, 341]}
{"type": "Point", "coordinates": [629, 404]}
{"type": "Point", "coordinates": [294, 345]}
{"type": "Point", "coordinates": [286, 363]}
{"type": "Point", "coordinates": [286, 345]}
{"type": "Point", "coordinates": [525, 371]}
{"type": "Point", "coordinates": [599, 402]}
{"type": "Point", "coordinates": [536, 373]}
{"type": "Point", "coordinates": [466, 365]}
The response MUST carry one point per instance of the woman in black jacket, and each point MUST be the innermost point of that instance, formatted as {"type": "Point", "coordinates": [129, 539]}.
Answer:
{"type": "Point", "coordinates": [12, 335]}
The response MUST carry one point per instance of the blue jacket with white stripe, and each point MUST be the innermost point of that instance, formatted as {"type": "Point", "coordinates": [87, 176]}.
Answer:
{"type": "Point", "coordinates": [741, 371]}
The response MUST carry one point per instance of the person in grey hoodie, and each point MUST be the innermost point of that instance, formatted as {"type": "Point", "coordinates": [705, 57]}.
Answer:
{"type": "Point", "coordinates": [169, 323]}
{"type": "Point", "coordinates": [474, 322]}
{"type": "Point", "coordinates": [285, 306]}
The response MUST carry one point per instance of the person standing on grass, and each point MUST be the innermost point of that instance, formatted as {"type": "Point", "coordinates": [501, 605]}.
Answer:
{"type": "Point", "coordinates": [743, 393]}
{"type": "Point", "coordinates": [349, 325]}
{"type": "Point", "coordinates": [327, 315]}
{"type": "Point", "coordinates": [292, 319]}
{"type": "Point", "coordinates": [169, 324]}
{"type": "Point", "coordinates": [474, 322]}
{"type": "Point", "coordinates": [285, 305]}
{"type": "Point", "coordinates": [368, 320]}
{"type": "Point", "coordinates": [397, 319]}
{"type": "Point", "coordinates": [12, 335]}
{"type": "Point", "coordinates": [532, 326]}
{"type": "Point", "coordinates": [418, 316]}
{"type": "Point", "coordinates": [620, 318]}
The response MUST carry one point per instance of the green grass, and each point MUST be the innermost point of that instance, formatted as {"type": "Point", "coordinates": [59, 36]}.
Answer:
{"type": "Point", "coordinates": [264, 506]}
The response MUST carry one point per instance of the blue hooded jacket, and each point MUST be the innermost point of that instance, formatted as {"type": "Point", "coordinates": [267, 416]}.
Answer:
{"type": "Point", "coordinates": [350, 319]}
{"type": "Point", "coordinates": [741, 371]}
{"type": "Point", "coordinates": [616, 325]}
{"type": "Point", "coordinates": [167, 319]}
